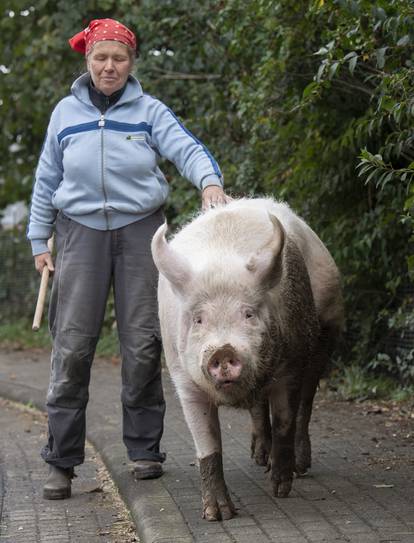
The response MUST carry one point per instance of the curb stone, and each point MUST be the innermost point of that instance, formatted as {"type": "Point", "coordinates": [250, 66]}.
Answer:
{"type": "Point", "coordinates": [359, 489]}
{"type": "Point", "coordinates": [144, 499]}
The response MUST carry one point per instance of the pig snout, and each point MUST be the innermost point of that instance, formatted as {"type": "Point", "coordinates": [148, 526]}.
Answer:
{"type": "Point", "coordinates": [224, 367]}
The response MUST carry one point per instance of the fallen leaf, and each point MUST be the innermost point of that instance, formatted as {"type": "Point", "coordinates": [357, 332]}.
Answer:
{"type": "Point", "coordinates": [94, 489]}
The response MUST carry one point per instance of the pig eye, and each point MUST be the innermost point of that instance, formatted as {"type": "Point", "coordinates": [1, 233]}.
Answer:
{"type": "Point", "coordinates": [198, 319]}
{"type": "Point", "coordinates": [249, 314]}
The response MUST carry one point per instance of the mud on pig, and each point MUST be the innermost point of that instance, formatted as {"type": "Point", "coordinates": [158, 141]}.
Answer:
{"type": "Point", "coordinates": [250, 307]}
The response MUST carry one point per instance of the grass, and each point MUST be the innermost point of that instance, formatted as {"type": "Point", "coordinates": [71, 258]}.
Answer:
{"type": "Point", "coordinates": [20, 336]}
{"type": "Point", "coordinates": [108, 345]}
{"type": "Point", "coordinates": [355, 383]}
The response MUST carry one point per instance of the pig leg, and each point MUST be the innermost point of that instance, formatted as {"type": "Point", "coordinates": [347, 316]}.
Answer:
{"type": "Point", "coordinates": [217, 504]}
{"type": "Point", "coordinates": [312, 375]}
{"type": "Point", "coordinates": [261, 432]}
{"type": "Point", "coordinates": [202, 419]}
{"type": "Point", "coordinates": [303, 453]}
{"type": "Point", "coordinates": [285, 397]}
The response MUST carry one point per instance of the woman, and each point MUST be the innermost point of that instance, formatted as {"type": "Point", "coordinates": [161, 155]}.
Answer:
{"type": "Point", "coordinates": [99, 186]}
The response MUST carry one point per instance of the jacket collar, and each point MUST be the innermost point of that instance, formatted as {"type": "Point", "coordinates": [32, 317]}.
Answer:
{"type": "Point", "coordinates": [101, 100]}
{"type": "Point", "coordinates": [80, 89]}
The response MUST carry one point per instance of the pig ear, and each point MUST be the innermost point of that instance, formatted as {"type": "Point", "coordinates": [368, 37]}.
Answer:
{"type": "Point", "coordinates": [171, 264]}
{"type": "Point", "coordinates": [266, 263]}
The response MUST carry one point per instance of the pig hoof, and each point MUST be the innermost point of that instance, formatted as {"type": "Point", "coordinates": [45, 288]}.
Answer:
{"type": "Point", "coordinates": [282, 489]}
{"type": "Point", "coordinates": [301, 469]}
{"type": "Point", "coordinates": [227, 512]}
{"type": "Point", "coordinates": [261, 458]}
{"type": "Point", "coordinates": [221, 511]}
{"type": "Point", "coordinates": [211, 513]}
{"type": "Point", "coordinates": [260, 454]}
{"type": "Point", "coordinates": [216, 501]}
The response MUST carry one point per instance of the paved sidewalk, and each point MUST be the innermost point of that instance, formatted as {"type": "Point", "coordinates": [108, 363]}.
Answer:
{"type": "Point", "coordinates": [360, 489]}
{"type": "Point", "coordinates": [96, 513]}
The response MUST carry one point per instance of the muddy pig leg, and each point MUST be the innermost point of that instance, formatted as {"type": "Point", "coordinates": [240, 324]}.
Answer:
{"type": "Point", "coordinates": [284, 399]}
{"type": "Point", "coordinates": [303, 453]}
{"type": "Point", "coordinates": [312, 375]}
{"type": "Point", "coordinates": [261, 442]}
{"type": "Point", "coordinates": [202, 419]}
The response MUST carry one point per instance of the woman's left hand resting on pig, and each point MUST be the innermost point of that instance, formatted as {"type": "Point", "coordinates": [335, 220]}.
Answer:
{"type": "Point", "coordinates": [213, 196]}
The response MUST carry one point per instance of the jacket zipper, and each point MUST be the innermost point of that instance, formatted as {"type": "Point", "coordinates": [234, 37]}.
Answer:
{"type": "Point", "coordinates": [101, 124]}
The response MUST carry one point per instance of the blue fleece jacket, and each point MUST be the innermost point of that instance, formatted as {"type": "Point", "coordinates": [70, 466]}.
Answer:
{"type": "Point", "coordinates": [102, 170]}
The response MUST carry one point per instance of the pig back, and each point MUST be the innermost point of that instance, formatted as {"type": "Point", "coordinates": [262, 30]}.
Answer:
{"type": "Point", "coordinates": [222, 239]}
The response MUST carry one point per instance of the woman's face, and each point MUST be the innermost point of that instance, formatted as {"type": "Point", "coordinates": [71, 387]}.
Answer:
{"type": "Point", "coordinates": [109, 64]}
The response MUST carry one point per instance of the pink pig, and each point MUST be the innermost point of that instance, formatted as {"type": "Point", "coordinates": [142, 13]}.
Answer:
{"type": "Point", "coordinates": [250, 307]}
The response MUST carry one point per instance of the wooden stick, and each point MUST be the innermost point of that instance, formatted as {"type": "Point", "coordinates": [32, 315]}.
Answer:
{"type": "Point", "coordinates": [41, 297]}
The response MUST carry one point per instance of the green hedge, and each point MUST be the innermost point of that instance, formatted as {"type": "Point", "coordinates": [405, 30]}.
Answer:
{"type": "Point", "coordinates": [312, 102]}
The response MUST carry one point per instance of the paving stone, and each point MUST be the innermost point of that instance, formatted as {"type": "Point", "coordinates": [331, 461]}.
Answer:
{"type": "Point", "coordinates": [336, 503]}
{"type": "Point", "coordinates": [25, 515]}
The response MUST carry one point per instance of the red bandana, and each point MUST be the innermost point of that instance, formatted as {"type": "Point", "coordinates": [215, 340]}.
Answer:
{"type": "Point", "coordinates": [101, 30]}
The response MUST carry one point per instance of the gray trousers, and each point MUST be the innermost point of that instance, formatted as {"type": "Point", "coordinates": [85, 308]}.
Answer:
{"type": "Point", "coordinates": [88, 261]}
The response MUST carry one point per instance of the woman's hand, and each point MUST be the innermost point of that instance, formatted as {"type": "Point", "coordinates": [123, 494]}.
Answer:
{"type": "Point", "coordinates": [42, 260]}
{"type": "Point", "coordinates": [213, 196]}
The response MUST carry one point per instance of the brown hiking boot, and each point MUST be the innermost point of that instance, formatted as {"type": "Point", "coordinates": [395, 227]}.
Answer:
{"type": "Point", "coordinates": [147, 469]}
{"type": "Point", "coordinates": [58, 483]}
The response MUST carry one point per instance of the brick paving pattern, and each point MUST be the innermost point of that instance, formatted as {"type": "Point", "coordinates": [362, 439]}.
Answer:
{"type": "Point", "coordinates": [360, 489]}
{"type": "Point", "coordinates": [90, 516]}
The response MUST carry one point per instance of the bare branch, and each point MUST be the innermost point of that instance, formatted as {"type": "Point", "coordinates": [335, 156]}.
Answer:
{"type": "Point", "coordinates": [169, 74]}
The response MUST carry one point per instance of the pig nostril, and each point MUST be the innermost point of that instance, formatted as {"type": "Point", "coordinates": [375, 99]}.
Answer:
{"type": "Point", "coordinates": [234, 362]}
{"type": "Point", "coordinates": [215, 363]}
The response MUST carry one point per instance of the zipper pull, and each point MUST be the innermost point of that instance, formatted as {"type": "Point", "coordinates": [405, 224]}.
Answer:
{"type": "Point", "coordinates": [101, 121]}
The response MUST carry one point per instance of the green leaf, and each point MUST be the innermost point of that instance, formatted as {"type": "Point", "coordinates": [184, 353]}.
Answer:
{"type": "Point", "coordinates": [405, 40]}
{"type": "Point", "coordinates": [353, 63]}
{"type": "Point", "coordinates": [321, 71]}
{"type": "Point", "coordinates": [309, 89]}
{"type": "Point", "coordinates": [371, 176]}
{"type": "Point", "coordinates": [333, 69]}
{"type": "Point", "coordinates": [350, 55]}
{"type": "Point", "coordinates": [410, 262]}
{"type": "Point", "coordinates": [409, 204]}
{"type": "Point", "coordinates": [330, 45]}
{"type": "Point", "coordinates": [380, 55]}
